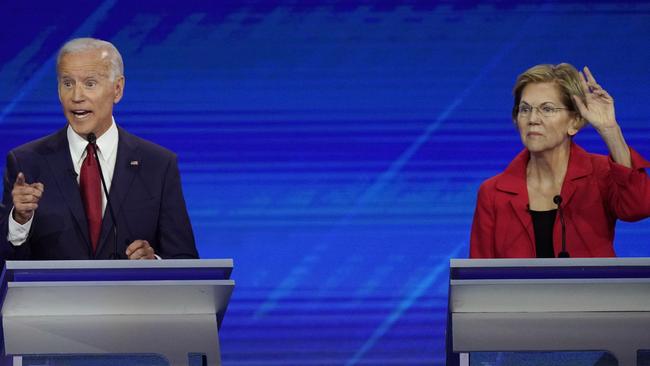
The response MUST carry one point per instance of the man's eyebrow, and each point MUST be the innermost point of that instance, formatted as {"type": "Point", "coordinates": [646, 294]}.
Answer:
{"type": "Point", "coordinates": [89, 76]}
{"type": "Point", "coordinates": [98, 74]}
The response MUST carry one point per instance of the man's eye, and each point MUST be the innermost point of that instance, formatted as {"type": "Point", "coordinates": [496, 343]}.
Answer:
{"type": "Point", "coordinates": [91, 83]}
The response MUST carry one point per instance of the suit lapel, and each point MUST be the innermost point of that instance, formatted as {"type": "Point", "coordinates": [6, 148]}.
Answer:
{"type": "Point", "coordinates": [123, 175]}
{"type": "Point", "coordinates": [60, 163]}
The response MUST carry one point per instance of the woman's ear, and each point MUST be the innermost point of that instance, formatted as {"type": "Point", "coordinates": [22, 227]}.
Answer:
{"type": "Point", "coordinates": [575, 125]}
{"type": "Point", "coordinates": [572, 130]}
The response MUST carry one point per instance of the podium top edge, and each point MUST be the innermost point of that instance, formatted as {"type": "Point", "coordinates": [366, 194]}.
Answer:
{"type": "Point", "coordinates": [127, 264]}
{"type": "Point", "coordinates": [549, 262]}
{"type": "Point", "coordinates": [136, 283]}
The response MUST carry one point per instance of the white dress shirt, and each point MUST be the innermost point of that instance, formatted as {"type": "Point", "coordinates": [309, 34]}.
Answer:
{"type": "Point", "coordinates": [107, 152]}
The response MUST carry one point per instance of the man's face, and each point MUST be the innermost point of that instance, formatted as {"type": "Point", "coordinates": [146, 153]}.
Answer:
{"type": "Point", "coordinates": [86, 92]}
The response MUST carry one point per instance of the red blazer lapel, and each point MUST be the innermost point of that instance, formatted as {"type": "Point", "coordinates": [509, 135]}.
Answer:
{"type": "Point", "coordinates": [579, 167]}
{"type": "Point", "coordinates": [513, 182]}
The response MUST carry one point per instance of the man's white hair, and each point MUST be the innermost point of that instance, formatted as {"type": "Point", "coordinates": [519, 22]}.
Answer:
{"type": "Point", "coordinates": [78, 45]}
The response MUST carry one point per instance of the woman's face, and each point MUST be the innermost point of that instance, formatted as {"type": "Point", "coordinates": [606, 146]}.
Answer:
{"type": "Point", "coordinates": [543, 121]}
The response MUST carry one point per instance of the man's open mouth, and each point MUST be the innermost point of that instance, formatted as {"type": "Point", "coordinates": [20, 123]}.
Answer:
{"type": "Point", "coordinates": [81, 113]}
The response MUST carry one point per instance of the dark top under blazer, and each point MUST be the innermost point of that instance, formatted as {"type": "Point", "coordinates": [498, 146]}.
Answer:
{"type": "Point", "coordinates": [595, 193]}
{"type": "Point", "coordinates": [145, 193]}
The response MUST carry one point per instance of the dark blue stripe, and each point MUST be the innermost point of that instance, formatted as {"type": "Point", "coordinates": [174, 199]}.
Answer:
{"type": "Point", "coordinates": [121, 274]}
{"type": "Point", "coordinates": [530, 273]}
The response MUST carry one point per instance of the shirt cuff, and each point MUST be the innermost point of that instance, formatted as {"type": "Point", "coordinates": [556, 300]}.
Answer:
{"type": "Point", "coordinates": [18, 233]}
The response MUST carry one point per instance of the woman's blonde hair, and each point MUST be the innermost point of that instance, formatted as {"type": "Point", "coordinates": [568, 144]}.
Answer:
{"type": "Point", "coordinates": [564, 75]}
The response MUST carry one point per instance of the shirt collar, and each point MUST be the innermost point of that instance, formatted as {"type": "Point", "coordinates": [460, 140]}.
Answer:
{"type": "Point", "coordinates": [106, 143]}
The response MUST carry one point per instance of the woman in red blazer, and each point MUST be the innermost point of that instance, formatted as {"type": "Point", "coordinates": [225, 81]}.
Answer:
{"type": "Point", "coordinates": [516, 212]}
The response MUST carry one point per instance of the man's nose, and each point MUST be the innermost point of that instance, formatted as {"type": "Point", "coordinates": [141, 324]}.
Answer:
{"type": "Point", "coordinates": [78, 93]}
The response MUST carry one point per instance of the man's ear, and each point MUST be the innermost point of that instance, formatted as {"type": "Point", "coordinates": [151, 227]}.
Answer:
{"type": "Point", "coordinates": [119, 89]}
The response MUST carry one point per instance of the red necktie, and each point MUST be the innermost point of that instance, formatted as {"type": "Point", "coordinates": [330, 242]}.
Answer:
{"type": "Point", "coordinates": [91, 194]}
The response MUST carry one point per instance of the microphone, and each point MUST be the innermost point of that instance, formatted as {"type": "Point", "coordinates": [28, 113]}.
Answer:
{"type": "Point", "coordinates": [92, 139]}
{"type": "Point", "coordinates": [558, 201]}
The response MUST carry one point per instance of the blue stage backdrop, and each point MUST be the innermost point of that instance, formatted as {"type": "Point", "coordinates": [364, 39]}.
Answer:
{"type": "Point", "coordinates": [332, 148]}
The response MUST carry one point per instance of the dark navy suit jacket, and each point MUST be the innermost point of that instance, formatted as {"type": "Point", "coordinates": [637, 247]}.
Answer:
{"type": "Point", "coordinates": [145, 193]}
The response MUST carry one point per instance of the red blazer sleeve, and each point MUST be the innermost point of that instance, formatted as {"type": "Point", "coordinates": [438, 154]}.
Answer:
{"type": "Point", "coordinates": [629, 189]}
{"type": "Point", "coordinates": [481, 243]}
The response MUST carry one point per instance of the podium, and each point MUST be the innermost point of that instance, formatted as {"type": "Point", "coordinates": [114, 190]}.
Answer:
{"type": "Point", "coordinates": [171, 308]}
{"type": "Point", "coordinates": [568, 304]}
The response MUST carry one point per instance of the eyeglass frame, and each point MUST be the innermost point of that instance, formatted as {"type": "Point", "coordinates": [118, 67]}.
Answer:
{"type": "Point", "coordinates": [541, 113]}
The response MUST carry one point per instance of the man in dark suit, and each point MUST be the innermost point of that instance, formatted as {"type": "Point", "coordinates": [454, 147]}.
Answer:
{"type": "Point", "coordinates": [54, 204]}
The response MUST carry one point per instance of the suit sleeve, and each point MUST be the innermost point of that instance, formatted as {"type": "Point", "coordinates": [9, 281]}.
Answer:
{"type": "Point", "coordinates": [481, 243]}
{"type": "Point", "coordinates": [11, 170]}
{"type": "Point", "coordinates": [9, 251]}
{"type": "Point", "coordinates": [629, 189]}
{"type": "Point", "coordinates": [175, 235]}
